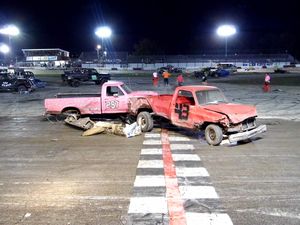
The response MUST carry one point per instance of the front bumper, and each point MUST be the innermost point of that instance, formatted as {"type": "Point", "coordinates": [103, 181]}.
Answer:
{"type": "Point", "coordinates": [248, 134]}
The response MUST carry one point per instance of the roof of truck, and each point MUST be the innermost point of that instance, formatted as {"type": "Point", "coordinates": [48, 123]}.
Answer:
{"type": "Point", "coordinates": [197, 88]}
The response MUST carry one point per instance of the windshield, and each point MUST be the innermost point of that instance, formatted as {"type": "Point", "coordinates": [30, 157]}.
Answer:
{"type": "Point", "coordinates": [126, 88]}
{"type": "Point", "coordinates": [210, 97]}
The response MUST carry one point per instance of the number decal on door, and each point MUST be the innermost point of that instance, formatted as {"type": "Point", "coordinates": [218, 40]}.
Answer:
{"type": "Point", "coordinates": [183, 111]}
{"type": "Point", "coordinates": [112, 104]}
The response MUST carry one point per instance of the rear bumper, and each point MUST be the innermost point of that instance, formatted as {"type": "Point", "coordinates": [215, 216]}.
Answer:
{"type": "Point", "coordinates": [248, 134]}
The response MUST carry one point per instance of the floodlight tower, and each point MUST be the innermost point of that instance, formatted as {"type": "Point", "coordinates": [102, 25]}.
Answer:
{"type": "Point", "coordinates": [226, 31]}
{"type": "Point", "coordinates": [103, 32]}
{"type": "Point", "coordinates": [4, 48]}
{"type": "Point", "coordinates": [98, 47]}
{"type": "Point", "coordinates": [10, 31]}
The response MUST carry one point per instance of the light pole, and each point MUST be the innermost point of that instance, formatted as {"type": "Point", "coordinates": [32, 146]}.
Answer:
{"type": "Point", "coordinates": [226, 31]}
{"type": "Point", "coordinates": [98, 49]}
{"type": "Point", "coordinates": [10, 31]}
{"type": "Point", "coordinates": [103, 32]}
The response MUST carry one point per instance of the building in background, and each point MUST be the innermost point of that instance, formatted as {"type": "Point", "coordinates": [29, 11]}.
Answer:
{"type": "Point", "coordinates": [47, 57]}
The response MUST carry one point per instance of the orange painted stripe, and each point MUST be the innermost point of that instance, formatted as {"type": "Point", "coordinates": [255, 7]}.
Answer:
{"type": "Point", "coordinates": [174, 201]}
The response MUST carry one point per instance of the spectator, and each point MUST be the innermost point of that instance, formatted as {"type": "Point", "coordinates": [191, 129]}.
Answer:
{"type": "Point", "coordinates": [267, 86]}
{"type": "Point", "coordinates": [204, 79]}
{"type": "Point", "coordinates": [166, 76]}
{"type": "Point", "coordinates": [155, 79]}
{"type": "Point", "coordinates": [180, 80]}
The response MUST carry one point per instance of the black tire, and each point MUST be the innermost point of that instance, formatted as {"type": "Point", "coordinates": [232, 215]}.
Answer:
{"type": "Point", "coordinates": [21, 88]}
{"type": "Point", "coordinates": [70, 112]}
{"type": "Point", "coordinates": [213, 134]}
{"type": "Point", "coordinates": [75, 83]}
{"type": "Point", "coordinates": [145, 120]}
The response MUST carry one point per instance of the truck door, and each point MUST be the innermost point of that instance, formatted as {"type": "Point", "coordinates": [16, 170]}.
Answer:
{"type": "Point", "coordinates": [115, 100]}
{"type": "Point", "coordinates": [5, 82]}
{"type": "Point", "coordinates": [183, 109]}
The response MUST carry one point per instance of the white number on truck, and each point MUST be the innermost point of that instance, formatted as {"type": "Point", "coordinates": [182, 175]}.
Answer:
{"type": "Point", "coordinates": [112, 104]}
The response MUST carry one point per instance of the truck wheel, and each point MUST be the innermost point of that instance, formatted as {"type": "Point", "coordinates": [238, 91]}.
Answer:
{"type": "Point", "coordinates": [71, 112]}
{"type": "Point", "coordinates": [75, 83]}
{"type": "Point", "coordinates": [213, 134]}
{"type": "Point", "coordinates": [144, 119]}
{"type": "Point", "coordinates": [22, 88]}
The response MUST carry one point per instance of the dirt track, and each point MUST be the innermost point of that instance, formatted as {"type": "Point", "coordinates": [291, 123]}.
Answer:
{"type": "Point", "coordinates": [49, 174]}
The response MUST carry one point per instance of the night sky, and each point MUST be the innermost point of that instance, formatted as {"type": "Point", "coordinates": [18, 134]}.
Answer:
{"type": "Point", "coordinates": [176, 27]}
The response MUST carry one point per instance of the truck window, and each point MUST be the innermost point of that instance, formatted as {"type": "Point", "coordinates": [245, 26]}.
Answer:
{"type": "Point", "coordinates": [185, 97]}
{"type": "Point", "coordinates": [126, 88]}
{"type": "Point", "coordinates": [210, 97]}
{"type": "Point", "coordinates": [111, 90]}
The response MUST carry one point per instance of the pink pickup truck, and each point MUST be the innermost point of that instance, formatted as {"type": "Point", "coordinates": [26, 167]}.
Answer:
{"type": "Point", "coordinates": [113, 99]}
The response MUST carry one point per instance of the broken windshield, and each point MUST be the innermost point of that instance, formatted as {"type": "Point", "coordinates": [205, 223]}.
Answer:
{"type": "Point", "coordinates": [210, 97]}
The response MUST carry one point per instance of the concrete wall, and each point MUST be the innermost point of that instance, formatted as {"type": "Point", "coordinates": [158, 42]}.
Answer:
{"type": "Point", "coordinates": [187, 66]}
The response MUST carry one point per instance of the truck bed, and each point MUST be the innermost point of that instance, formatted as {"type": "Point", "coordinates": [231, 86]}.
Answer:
{"type": "Point", "coordinates": [77, 95]}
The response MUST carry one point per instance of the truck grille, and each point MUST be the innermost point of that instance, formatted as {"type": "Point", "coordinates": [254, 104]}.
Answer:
{"type": "Point", "coordinates": [248, 124]}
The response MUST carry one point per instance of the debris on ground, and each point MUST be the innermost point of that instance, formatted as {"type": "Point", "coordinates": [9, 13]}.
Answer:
{"type": "Point", "coordinates": [131, 130]}
{"type": "Point", "coordinates": [83, 123]}
{"type": "Point", "coordinates": [91, 127]}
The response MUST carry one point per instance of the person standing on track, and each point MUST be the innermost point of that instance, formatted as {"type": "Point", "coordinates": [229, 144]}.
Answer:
{"type": "Point", "coordinates": [267, 86]}
{"type": "Point", "coordinates": [155, 79]}
{"type": "Point", "coordinates": [180, 80]}
{"type": "Point", "coordinates": [166, 75]}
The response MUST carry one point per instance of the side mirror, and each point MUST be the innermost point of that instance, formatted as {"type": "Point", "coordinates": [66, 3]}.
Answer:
{"type": "Point", "coordinates": [115, 95]}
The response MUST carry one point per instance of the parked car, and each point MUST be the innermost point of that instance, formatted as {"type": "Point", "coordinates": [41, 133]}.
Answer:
{"type": "Point", "coordinates": [9, 82]}
{"type": "Point", "coordinates": [211, 72]}
{"type": "Point", "coordinates": [77, 76]}
{"type": "Point", "coordinates": [170, 69]}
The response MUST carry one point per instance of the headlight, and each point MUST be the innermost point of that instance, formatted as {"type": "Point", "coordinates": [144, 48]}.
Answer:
{"type": "Point", "coordinates": [69, 78]}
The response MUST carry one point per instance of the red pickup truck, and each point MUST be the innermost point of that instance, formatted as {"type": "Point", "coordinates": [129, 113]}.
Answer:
{"type": "Point", "coordinates": [202, 108]}
{"type": "Point", "coordinates": [113, 100]}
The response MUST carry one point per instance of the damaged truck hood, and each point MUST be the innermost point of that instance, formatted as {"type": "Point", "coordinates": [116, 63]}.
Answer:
{"type": "Point", "coordinates": [235, 112]}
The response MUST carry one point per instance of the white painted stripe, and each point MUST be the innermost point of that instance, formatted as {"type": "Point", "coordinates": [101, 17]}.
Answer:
{"type": "Point", "coordinates": [151, 151]}
{"type": "Point", "coordinates": [176, 138]}
{"type": "Point", "coordinates": [146, 205]}
{"type": "Point", "coordinates": [185, 157]}
{"type": "Point", "coordinates": [191, 172]}
{"type": "Point", "coordinates": [149, 135]}
{"type": "Point", "coordinates": [150, 164]}
{"type": "Point", "coordinates": [152, 142]}
{"type": "Point", "coordinates": [182, 147]}
{"type": "Point", "coordinates": [149, 181]}
{"type": "Point", "coordinates": [208, 219]}
{"type": "Point", "coordinates": [198, 192]}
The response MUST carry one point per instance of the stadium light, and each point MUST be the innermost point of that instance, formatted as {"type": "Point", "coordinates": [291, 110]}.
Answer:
{"type": "Point", "coordinates": [103, 32]}
{"type": "Point", "coordinates": [4, 48]}
{"type": "Point", "coordinates": [10, 30]}
{"type": "Point", "coordinates": [226, 31]}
